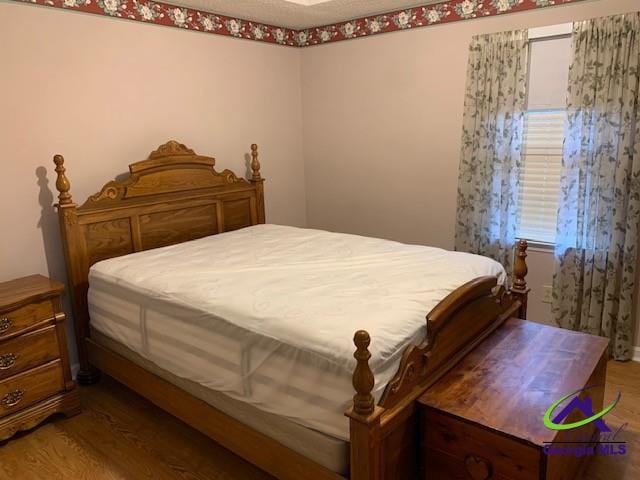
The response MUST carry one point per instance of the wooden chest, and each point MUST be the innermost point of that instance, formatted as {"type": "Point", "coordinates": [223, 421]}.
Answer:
{"type": "Point", "coordinates": [35, 378]}
{"type": "Point", "coordinates": [484, 419]}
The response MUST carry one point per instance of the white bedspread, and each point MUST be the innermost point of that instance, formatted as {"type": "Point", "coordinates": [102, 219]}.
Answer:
{"type": "Point", "coordinates": [267, 314]}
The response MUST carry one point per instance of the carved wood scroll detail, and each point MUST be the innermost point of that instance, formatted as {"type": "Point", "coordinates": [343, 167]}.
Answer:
{"type": "Point", "coordinates": [171, 148]}
{"type": "Point", "coordinates": [112, 190]}
{"type": "Point", "coordinates": [171, 168]}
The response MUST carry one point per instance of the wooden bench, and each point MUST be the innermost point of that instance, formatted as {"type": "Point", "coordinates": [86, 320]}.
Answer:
{"type": "Point", "coordinates": [484, 419]}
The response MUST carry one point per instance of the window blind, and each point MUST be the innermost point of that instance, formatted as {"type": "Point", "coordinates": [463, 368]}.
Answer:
{"type": "Point", "coordinates": [540, 174]}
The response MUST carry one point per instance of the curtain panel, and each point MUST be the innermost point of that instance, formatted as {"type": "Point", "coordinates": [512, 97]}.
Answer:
{"type": "Point", "coordinates": [599, 206]}
{"type": "Point", "coordinates": [490, 157]}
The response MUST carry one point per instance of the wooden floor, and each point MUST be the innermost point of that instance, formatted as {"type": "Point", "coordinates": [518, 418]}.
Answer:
{"type": "Point", "coordinates": [119, 435]}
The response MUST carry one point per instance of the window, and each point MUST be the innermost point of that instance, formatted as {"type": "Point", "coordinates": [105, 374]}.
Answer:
{"type": "Point", "coordinates": [540, 175]}
{"type": "Point", "coordinates": [549, 59]}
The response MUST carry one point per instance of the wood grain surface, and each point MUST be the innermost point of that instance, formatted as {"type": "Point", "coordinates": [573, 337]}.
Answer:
{"type": "Point", "coordinates": [509, 381]}
{"type": "Point", "coordinates": [173, 196]}
{"type": "Point", "coordinates": [119, 436]}
{"type": "Point", "coordinates": [24, 290]}
{"type": "Point", "coordinates": [35, 378]}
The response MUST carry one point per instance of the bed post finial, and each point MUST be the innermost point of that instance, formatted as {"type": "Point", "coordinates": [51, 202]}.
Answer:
{"type": "Point", "coordinates": [255, 164]}
{"type": "Point", "coordinates": [258, 182]}
{"type": "Point", "coordinates": [62, 182]}
{"type": "Point", "coordinates": [363, 380]}
{"type": "Point", "coordinates": [365, 431]}
{"type": "Point", "coordinates": [520, 270]}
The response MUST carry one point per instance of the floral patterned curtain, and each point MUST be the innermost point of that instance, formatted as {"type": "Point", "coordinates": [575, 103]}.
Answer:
{"type": "Point", "coordinates": [599, 210]}
{"type": "Point", "coordinates": [492, 131]}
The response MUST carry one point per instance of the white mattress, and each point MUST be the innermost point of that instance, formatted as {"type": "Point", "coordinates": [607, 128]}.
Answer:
{"type": "Point", "coordinates": [267, 314]}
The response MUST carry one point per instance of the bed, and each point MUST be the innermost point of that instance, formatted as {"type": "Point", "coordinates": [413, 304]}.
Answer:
{"type": "Point", "coordinates": [244, 329]}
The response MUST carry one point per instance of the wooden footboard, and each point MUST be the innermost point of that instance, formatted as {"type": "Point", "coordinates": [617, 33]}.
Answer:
{"type": "Point", "coordinates": [384, 437]}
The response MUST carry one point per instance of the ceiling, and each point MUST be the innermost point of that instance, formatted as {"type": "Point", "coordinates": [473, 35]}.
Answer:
{"type": "Point", "coordinates": [299, 14]}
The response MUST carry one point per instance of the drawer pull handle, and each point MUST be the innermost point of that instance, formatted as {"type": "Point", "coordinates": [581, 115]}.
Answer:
{"type": "Point", "coordinates": [12, 398]}
{"type": "Point", "coordinates": [5, 324]}
{"type": "Point", "coordinates": [7, 361]}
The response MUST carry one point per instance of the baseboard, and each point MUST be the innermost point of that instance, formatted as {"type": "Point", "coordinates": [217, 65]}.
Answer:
{"type": "Point", "coordinates": [636, 354]}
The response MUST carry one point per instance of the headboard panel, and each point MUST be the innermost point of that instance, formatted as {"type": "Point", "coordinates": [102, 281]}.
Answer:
{"type": "Point", "coordinates": [172, 197]}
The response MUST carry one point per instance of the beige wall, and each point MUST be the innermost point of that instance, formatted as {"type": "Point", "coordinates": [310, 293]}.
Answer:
{"type": "Point", "coordinates": [105, 93]}
{"type": "Point", "coordinates": [380, 125]}
{"type": "Point", "coordinates": [382, 122]}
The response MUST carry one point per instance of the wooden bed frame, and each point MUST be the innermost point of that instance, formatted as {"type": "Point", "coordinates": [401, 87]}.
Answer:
{"type": "Point", "coordinates": [176, 195]}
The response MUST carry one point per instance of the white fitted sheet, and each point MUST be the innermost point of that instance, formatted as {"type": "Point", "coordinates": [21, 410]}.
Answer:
{"type": "Point", "coordinates": [267, 314]}
{"type": "Point", "coordinates": [328, 451]}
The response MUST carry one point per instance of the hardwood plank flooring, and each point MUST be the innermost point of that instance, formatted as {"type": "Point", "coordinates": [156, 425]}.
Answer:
{"type": "Point", "coordinates": [623, 378]}
{"type": "Point", "coordinates": [121, 436]}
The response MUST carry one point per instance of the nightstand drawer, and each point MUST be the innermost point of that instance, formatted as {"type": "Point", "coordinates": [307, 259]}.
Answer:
{"type": "Point", "coordinates": [28, 351]}
{"type": "Point", "coordinates": [29, 387]}
{"type": "Point", "coordinates": [24, 317]}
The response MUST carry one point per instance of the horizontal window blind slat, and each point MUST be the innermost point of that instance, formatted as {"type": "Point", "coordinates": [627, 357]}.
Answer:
{"type": "Point", "coordinates": [540, 174]}
{"type": "Point", "coordinates": [542, 186]}
{"type": "Point", "coordinates": [544, 212]}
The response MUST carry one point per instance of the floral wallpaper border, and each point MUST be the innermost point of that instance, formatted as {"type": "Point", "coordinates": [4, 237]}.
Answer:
{"type": "Point", "coordinates": [159, 13]}
{"type": "Point", "coordinates": [434, 14]}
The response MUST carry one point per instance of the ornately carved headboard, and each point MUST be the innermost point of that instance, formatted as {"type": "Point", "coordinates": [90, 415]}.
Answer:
{"type": "Point", "coordinates": [173, 196]}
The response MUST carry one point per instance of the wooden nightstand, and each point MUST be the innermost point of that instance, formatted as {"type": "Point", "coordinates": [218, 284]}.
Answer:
{"type": "Point", "coordinates": [35, 378]}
